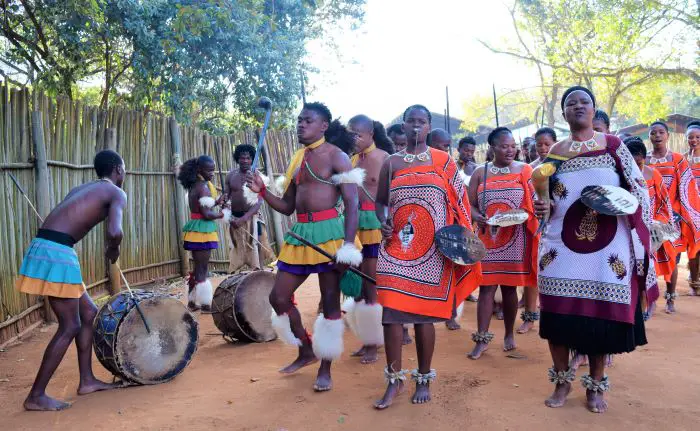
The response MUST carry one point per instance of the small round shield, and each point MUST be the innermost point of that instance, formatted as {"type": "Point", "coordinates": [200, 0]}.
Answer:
{"type": "Point", "coordinates": [509, 218]}
{"type": "Point", "coordinates": [660, 233]}
{"type": "Point", "coordinates": [609, 200]}
{"type": "Point", "coordinates": [460, 245]}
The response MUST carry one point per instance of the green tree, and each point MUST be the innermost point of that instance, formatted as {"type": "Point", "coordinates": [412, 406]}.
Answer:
{"type": "Point", "coordinates": [612, 46]}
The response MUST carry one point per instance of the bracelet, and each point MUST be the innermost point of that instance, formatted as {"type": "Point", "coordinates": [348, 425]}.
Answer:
{"type": "Point", "coordinates": [263, 191]}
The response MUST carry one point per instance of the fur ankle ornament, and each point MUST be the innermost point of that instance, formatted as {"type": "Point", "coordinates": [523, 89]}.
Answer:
{"type": "Point", "coordinates": [423, 379]}
{"type": "Point", "coordinates": [594, 385]}
{"type": "Point", "coordinates": [670, 296]}
{"type": "Point", "coordinates": [561, 377]}
{"type": "Point", "coordinates": [530, 316]}
{"type": "Point", "coordinates": [482, 337]}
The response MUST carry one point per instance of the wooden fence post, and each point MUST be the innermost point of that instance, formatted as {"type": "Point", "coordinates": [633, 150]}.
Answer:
{"type": "Point", "coordinates": [276, 217]}
{"type": "Point", "coordinates": [43, 194]}
{"type": "Point", "coordinates": [115, 282]}
{"type": "Point", "coordinates": [176, 144]}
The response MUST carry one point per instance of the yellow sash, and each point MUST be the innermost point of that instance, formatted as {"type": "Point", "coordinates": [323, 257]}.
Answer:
{"type": "Point", "coordinates": [356, 157]}
{"type": "Point", "coordinates": [296, 162]}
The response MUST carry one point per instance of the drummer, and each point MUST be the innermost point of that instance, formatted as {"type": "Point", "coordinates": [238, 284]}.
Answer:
{"type": "Point", "coordinates": [51, 268]}
{"type": "Point", "coordinates": [511, 258]}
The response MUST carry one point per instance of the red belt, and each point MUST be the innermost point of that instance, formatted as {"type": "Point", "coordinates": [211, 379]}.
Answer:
{"type": "Point", "coordinates": [317, 216]}
{"type": "Point", "coordinates": [196, 216]}
{"type": "Point", "coordinates": [368, 206]}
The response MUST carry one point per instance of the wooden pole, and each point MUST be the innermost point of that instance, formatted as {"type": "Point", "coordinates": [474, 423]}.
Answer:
{"type": "Point", "coordinates": [115, 284]}
{"type": "Point", "coordinates": [180, 214]}
{"type": "Point", "coordinates": [276, 217]}
{"type": "Point", "coordinates": [43, 194]}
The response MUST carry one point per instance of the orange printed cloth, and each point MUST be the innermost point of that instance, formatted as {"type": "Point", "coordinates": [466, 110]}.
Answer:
{"type": "Point", "coordinates": [660, 204]}
{"type": "Point", "coordinates": [685, 200]}
{"type": "Point", "coordinates": [511, 252]}
{"type": "Point", "coordinates": [412, 275]}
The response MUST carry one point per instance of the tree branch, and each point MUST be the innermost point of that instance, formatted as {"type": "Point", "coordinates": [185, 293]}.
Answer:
{"type": "Point", "coordinates": [39, 30]}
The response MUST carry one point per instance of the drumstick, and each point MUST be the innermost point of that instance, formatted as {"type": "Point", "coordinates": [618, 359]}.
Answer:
{"type": "Point", "coordinates": [126, 283]}
{"type": "Point", "coordinates": [329, 256]}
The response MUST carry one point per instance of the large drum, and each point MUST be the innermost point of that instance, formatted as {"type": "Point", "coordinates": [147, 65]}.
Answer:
{"type": "Point", "coordinates": [241, 308]}
{"type": "Point", "coordinates": [124, 347]}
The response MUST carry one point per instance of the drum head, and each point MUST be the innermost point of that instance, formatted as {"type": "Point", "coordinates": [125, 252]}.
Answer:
{"type": "Point", "coordinates": [162, 354]}
{"type": "Point", "coordinates": [609, 200]}
{"type": "Point", "coordinates": [509, 218]}
{"type": "Point", "coordinates": [460, 245]}
{"type": "Point", "coordinates": [241, 307]}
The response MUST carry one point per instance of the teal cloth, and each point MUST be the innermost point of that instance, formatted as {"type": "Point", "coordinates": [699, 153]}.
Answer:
{"type": "Point", "coordinates": [50, 261]}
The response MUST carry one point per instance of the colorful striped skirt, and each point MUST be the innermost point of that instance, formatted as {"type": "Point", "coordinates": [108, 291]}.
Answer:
{"type": "Point", "coordinates": [369, 230]}
{"type": "Point", "coordinates": [200, 234]}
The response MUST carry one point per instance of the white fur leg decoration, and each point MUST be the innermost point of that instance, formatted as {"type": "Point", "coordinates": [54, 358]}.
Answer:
{"type": "Point", "coordinates": [227, 215]}
{"type": "Point", "coordinates": [328, 338]}
{"type": "Point", "coordinates": [191, 295]}
{"type": "Point", "coordinates": [355, 176]}
{"type": "Point", "coordinates": [460, 310]}
{"type": "Point", "coordinates": [207, 202]}
{"type": "Point", "coordinates": [369, 324]}
{"type": "Point", "coordinates": [349, 306]}
{"type": "Point", "coordinates": [281, 325]}
{"type": "Point", "coordinates": [349, 254]}
{"type": "Point", "coordinates": [203, 293]}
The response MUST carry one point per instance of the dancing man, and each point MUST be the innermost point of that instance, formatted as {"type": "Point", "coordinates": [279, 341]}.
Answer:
{"type": "Point", "coordinates": [318, 176]}
{"type": "Point", "coordinates": [416, 284]}
{"type": "Point", "coordinates": [364, 314]}
{"type": "Point", "coordinates": [200, 236]}
{"type": "Point", "coordinates": [51, 268]}
{"type": "Point", "coordinates": [593, 267]}
{"type": "Point", "coordinates": [511, 257]}
{"type": "Point", "coordinates": [249, 244]}
{"type": "Point", "coordinates": [685, 201]}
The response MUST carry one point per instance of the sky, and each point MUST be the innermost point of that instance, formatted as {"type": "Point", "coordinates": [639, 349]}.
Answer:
{"type": "Point", "coordinates": [407, 51]}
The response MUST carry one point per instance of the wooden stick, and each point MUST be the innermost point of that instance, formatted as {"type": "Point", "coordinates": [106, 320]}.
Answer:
{"type": "Point", "coordinates": [138, 308]}
{"type": "Point", "coordinates": [329, 256]}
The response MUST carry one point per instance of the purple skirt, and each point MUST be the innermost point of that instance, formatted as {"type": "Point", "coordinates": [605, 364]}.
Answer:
{"type": "Point", "coordinates": [370, 251]}
{"type": "Point", "coordinates": [305, 269]}
{"type": "Point", "coordinates": [198, 246]}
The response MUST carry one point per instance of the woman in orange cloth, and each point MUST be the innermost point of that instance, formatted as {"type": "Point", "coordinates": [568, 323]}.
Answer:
{"type": "Point", "coordinates": [665, 261]}
{"type": "Point", "coordinates": [692, 135]}
{"type": "Point", "coordinates": [511, 256]}
{"type": "Point", "coordinates": [416, 284]}
{"type": "Point", "coordinates": [685, 201]}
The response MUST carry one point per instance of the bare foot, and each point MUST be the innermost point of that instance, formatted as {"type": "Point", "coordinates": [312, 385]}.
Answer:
{"type": "Point", "coordinates": [192, 306]}
{"type": "Point", "coordinates": [558, 397]}
{"type": "Point", "coordinates": [392, 390]}
{"type": "Point", "coordinates": [596, 402]}
{"type": "Point", "coordinates": [406, 338]}
{"type": "Point", "coordinates": [670, 307]}
{"type": "Point", "coordinates": [578, 361]}
{"type": "Point", "coordinates": [509, 343]}
{"type": "Point", "coordinates": [422, 394]}
{"type": "Point", "coordinates": [360, 352]}
{"type": "Point", "coordinates": [479, 349]}
{"type": "Point", "coordinates": [651, 310]}
{"type": "Point", "coordinates": [525, 327]}
{"type": "Point", "coordinates": [452, 325]}
{"type": "Point", "coordinates": [323, 378]}
{"type": "Point", "coordinates": [306, 357]}
{"type": "Point", "coordinates": [95, 386]}
{"type": "Point", "coordinates": [44, 403]}
{"type": "Point", "coordinates": [370, 355]}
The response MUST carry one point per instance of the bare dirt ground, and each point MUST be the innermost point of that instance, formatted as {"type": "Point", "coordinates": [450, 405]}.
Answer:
{"type": "Point", "coordinates": [237, 387]}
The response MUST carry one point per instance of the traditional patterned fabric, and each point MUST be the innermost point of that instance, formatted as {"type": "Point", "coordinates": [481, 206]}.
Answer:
{"type": "Point", "coordinates": [660, 203]}
{"type": "Point", "coordinates": [200, 234]}
{"type": "Point", "coordinates": [50, 269]}
{"type": "Point", "coordinates": [695, 167]}
{"type": "Point", "coordinates": [594, 265]}
{"type": "Point", "coordinates": [328, 234]}
{"type": "Point", "coordinates": [511, 257]}
{"type": "Point", "coordinates": [685, 200]}
{"type": "Point", "coordinates": [412, 276]}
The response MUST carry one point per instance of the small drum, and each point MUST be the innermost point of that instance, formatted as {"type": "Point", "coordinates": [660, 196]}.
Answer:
{"type": "Point", "coordinates": [124, 347]}
{"type": "Point", "coordinates": [241, 308]}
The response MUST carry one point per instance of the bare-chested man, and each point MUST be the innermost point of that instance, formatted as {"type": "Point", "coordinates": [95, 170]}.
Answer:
{"type": "Point", "coordinates": [364, 314]}
{"type": "Point", "coordinates": [51, 268]}
{"type": "Point", "coordinates": [200, 236]}
{"type": "Point", "coordinates": [318, 176]}
{"type": "Point", "coordinates": [245, 226]}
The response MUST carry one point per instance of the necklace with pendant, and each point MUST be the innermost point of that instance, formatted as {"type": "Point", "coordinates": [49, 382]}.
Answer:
{"type": "Point", "coordinates": [496, 170]}
{"type": "Point", "coordinates": [410, 158]}
{"type": "Point", "coordinates": [578, 146]}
